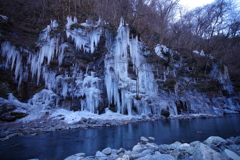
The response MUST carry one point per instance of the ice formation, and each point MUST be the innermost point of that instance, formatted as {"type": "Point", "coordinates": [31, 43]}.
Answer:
{"type": "Point", "coordinates": [125, 82]}
{"type": "Point", "coordinates": [4, 17]}
{"type": "Point", "coordinates": [13, 60]}
{"type": "Point", "coordinates": [83, 39]}
{"type": "Point", "coordinates": [123, 91]}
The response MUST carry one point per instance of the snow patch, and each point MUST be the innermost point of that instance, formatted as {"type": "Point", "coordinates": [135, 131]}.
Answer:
{"type": "Point", "coordinates": [73, 117]}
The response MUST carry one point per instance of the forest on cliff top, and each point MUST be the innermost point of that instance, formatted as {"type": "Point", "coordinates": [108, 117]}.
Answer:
{"type": "Point", "coordinates": [213, 28]}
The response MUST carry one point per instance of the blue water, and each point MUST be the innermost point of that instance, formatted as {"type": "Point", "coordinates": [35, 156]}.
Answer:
{"type": "Point", "coordinates": [61, 144]}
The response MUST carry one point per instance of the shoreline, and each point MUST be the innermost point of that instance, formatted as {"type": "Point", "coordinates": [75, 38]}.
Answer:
{"type": "Point", "coordinates": [46, 124]}
{"type": "Point", "coordinates": [212, 148]}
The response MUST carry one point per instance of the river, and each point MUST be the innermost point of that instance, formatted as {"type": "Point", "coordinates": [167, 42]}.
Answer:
{"type": "Point", "coordinates": [61, 144]}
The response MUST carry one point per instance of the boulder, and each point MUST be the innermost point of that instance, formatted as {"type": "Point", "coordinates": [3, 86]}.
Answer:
{"type": "Point", "coordinates": [144, 139]}
{"type": "Point", "coordinates": [4, 108]}
{"type": "Point", "coordinates": [147, 152]}
{"type": "Point", "coordinates": [237, 140]}
{"type": "Point", "coordinates": [92, 121]}
{"type": "Point", "coordinates": [12, 116]}
{"type": "Point", "coordinates": [107, 151]}
{"type": "Point", "coordinates": [100, 154]}
{"type": "Point", "coordinates": [204, 152]}
{"type": "Point", "coordinates": [157, 157]}
{"type": "Point", "coordinates": [231, 155]}
{"type": "Point", "coordinates": [138, 148]}
{"type": "Point", "coordinates": [152, 145]}
{"type": "Point", "coordinates": [121, 150]}
{"type": "Point", "coordinates": [77, 156]}
{"type": "Point", "coordinates": [215, 140]}
{"type": "Point", "coordinates": [10, 113]}
{"type": "Point", "coordinates": [124, 157]}
{"type": "Point", "coordinates": [151, 138]}
{"type": "Point", "coordinates": [84, 119]}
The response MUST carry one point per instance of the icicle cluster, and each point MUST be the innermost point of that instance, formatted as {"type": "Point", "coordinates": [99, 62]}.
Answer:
{"type": "Point", "coordinates": [13, 61]}
{"type": "Point", "coordinates": [124, 91]}
{"type": "Point", "coordinates": [84, 40]}
{"type": "Point", "coordinates": [128, 78]}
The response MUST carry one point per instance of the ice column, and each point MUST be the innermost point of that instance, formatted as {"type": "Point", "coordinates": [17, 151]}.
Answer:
{"type": "Point", "coordinates": [121, 89]}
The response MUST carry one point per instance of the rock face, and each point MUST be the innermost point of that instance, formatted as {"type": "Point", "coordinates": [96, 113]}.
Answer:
{"type": "Point", "coordinates": [87, 67]}
{"type": "Point", "coordinates": [193, 151]}
{"type": "Point", "coordinates": [9, 113]}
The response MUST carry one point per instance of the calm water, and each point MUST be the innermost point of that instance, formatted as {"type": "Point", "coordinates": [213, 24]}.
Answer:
{"type": "Point", "coordinates": [60, 144]}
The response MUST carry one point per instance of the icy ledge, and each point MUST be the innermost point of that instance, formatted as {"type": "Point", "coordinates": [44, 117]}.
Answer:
{"type": "Point", "coordinates": [211, 149]}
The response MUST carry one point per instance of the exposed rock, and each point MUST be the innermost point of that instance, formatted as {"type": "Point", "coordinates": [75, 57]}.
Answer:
{"type": "Point", "coordinates": [12, 116]}
{"type": "Point", "coordinates": [144, 139]}
{"type": "Point", "coordinates": [92, 121]}
{"type": "Point", "coordinates": [84, 119]}
{"type": "Point", "coordinates": [101, 155]}
{"type": "Point", "coordinates": [77, 156]}
{"type": "Point", "coordinates": [4, 108]}
{"type": "Point", "coordinates": [157, 157]}
{"type": "Point", "coordinates": [204, 152]}
{"type": "Point", "coordinates": [152, 145]}
{"type": "Point", "coordinates": [138, 148]}
{"type": "Point", "coordinates": [151, 138]}
{"type": "Point", "coordinates": [231, 155]}
{"type": "Point", "coordinates": [215, 140]}
{"type": "Point", "coordinates": [124, 157]}
{"type": "Point", "coordinates": [147, 152]}
{"type": "Point", "coordinates": [237, 140]}
{"type": "Point", "coordinates": [121, 150]}
{"type": "Point", "coordinates": [150, 151]}
{"type": "Point", "coordinates": [107, 151]}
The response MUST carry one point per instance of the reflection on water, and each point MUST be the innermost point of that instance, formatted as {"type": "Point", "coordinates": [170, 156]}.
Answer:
{"type": "Point", "coordinates": [60, 144]}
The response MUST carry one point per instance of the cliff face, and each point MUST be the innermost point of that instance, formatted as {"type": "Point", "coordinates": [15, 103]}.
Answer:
{"type": "Point", "coordinates": [87, 66]}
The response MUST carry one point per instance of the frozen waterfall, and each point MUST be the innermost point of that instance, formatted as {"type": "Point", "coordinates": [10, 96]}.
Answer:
{"type": "Point", "coordinates": [123, 90]}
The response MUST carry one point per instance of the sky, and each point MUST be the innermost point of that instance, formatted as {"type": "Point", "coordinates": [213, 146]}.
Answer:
{"type": "Point", "coordinates": [190, 4]}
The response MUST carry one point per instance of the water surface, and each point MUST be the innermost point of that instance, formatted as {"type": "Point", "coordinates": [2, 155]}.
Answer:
{"type": "Point", "coordinates": [60, 144]}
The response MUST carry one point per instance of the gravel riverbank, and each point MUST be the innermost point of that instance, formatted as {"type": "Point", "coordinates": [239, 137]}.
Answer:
{"type": "Point", "coordinates": [213, 148]}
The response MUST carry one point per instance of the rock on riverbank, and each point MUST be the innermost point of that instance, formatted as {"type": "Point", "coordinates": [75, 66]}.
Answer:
{"type": "Point", "coordinates": [213, 148]}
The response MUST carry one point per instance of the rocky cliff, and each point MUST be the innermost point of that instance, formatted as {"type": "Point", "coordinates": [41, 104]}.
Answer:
{"type": "Point", "coordinates": [91, 67]}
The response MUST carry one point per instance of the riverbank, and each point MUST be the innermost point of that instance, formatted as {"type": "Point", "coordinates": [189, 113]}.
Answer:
{"type": "Point", "coordinates": [74, 120]}
{"type": "Point", "coordinates": [213, 148]}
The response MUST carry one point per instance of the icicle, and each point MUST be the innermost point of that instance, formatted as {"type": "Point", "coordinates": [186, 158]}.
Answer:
{"type": "Point", "coordinates": [91, 91]}
{"type": "Point", "coordinates": [83, 39]}
{"type": "Point", "coordinates": [70, 21]}
{"type": "Point", "coordinates": [13, 59]}
{"type": "Point", "coordinates": [121, 89]}
{"type": "Point", "coordinates": [61, 51]}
